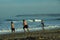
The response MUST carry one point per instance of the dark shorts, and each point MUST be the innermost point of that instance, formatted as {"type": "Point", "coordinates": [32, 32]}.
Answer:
{"type": "Point", "coordinates": [42, 24]}
{"type": "Point", "coordinates": [26, 26]}
{"type": "Point", "coordinates": [13, 29]}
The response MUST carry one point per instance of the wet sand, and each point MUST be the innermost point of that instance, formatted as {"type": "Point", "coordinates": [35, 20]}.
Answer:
{"type": "Point", "coordinates": [36, 35]}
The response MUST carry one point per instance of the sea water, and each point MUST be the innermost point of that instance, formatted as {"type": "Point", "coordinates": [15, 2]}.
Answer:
{"type": "Point", "coordinates": [51, 22]}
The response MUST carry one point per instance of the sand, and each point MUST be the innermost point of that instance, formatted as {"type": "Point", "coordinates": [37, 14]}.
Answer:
{"type": "Point", "coordinates": [34, 35]}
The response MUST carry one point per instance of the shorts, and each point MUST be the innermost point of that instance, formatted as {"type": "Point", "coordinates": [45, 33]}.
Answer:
{"type": "Point", "coordinates": [26, 26]}
{"type": "Point", "coordinates": [42, 24]}
{"type": "Point", "coordinates": [13, 29]}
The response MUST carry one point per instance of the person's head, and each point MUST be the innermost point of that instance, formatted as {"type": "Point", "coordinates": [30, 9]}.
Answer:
{"type": "Point", "coordinates": [11, 22]}
{"type": "Point", "coordinates": [23, 20]}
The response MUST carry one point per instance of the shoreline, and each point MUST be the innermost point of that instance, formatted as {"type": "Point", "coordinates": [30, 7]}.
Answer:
{"type": "Point", "coordinates": [54, 34]}
{"type": "Point", "coordinates": [31, 29]}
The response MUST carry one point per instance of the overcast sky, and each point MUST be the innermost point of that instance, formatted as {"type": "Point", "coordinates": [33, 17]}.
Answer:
{"type": "Point", "coordinates": [17, 7]}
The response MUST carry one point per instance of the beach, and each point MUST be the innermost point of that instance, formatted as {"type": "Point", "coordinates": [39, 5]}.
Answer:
{"type": "Point", "coordinates": [40, 17]}
{"type": "Point", "coordinates": [51, 28]}
{"type": "Point", "coordinates": [34, 35]}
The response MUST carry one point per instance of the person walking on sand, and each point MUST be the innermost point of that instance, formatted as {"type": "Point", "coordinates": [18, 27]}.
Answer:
{"type": "Point", "coordinates": [25, 25]}
{"type": "Point", "coordinates": [12, 27]}
{"type": "Point", "coordinates": [42, 23]}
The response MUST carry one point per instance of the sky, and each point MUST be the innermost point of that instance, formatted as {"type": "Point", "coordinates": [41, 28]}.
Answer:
{"type": "Point", "coordinates": [16, 7]}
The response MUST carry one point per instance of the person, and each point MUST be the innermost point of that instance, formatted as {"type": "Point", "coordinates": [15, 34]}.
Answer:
{"type": "Point", "coordinates": [33, 20]}
{"type": "Point", "coordinates": [42, 23]}
{"type": "Point", "coordinates": [25, 25]}
{"type": "Point", "coordinates": [12, 27]}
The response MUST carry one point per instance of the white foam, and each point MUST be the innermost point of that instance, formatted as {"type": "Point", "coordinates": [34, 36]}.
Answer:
{"type": "Point", "coordinates": [37, 20]}
{"type": "Point", "coordinates": [30, 20]}
{"type": "Point", "coordinates": [5, 30]}
{"type": "Point", "coordinates": [31, 29]}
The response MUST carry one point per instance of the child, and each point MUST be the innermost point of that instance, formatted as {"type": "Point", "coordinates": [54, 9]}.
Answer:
{"type": "Point", "coordinates": [42, 23]}
{"type": "Point", "coordinates": [25, 25]}
{"type": "Point", "coordinates": [12, 27]}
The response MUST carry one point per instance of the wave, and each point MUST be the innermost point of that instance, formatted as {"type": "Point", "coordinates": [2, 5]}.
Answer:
{"type": "Point", "coordinates": [35, 20]}
{"type": "Point", "coordinates": [57, 14]}
{"type": "Point", "coordinates": [11, 20]}
{"type": "Point", "coordinates": [49, 27]}
{"type": "Point", "coordinates": [32, 20]}
{"type": "Point", "coordinates": [58, 19]}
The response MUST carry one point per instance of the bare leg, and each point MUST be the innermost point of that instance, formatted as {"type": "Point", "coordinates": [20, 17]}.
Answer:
{"type": "Point", "coordinates": [14, 30]}
{"type": "Point", "coordinates": [28, 33]}
{"type": "Point", "coordinates": [43, 28]}
{"type": "Point", "coordinates": [27, 29]}
{"type": "Point", "coordinates": [24, 30]}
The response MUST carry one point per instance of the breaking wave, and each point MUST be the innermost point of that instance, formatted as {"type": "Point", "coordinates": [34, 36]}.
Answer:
{"type": "Point", "coordinates": [48, 27]}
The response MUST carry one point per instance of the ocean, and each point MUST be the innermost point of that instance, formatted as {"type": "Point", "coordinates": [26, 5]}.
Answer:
{"type": "Point", "coordinates": [51, 22]}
